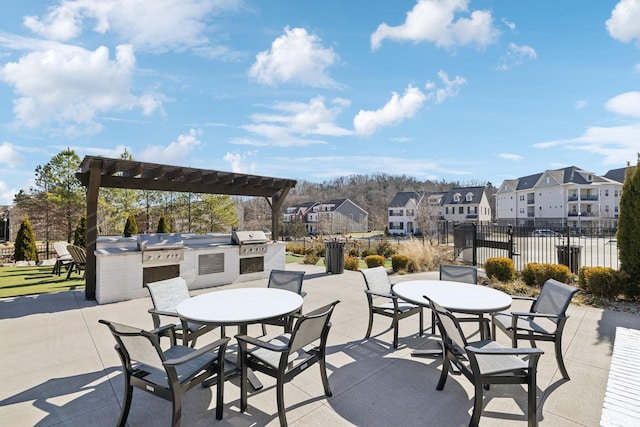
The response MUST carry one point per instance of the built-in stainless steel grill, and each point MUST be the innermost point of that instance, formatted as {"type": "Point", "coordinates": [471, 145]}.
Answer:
{"type": "Point", "coordinates": [161, 248]}
{"type": "Point", "coordinates": [252, 243]}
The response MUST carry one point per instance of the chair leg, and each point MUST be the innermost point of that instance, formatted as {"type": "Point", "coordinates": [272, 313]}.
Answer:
{"type": "Point", "coordinates": [368, 334]}
{"type": "Point", "coordinates": [126, 402]}
{"type": "Point", "coordinates": [323, 375]}
{"type": "Point", "coordinates": [532, 407]}
{"type": "Point", "coordinates": [477, 404]}
{"type": "Point", "coordinates": [421, 322]}
{"type": "Point", "coordinates": [243, 381]}
{"type": "Point", "coordinates": [280, 398]}
{"type": "Point", "coordinates": [220, 388]}
{"type": "Point", "coordinates": [445, 371]}
{"type": "Point", "coordinates": [433, 323]}
{"type": "Point", "coordinates": [394, 325]}
{"type": "Point", "coordinates": [177, 407]}
{"type": "Point", "coordinates": [559, 358]}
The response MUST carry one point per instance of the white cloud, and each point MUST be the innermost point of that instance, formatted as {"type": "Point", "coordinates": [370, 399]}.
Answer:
{"type": "Point", "coordinates": [516, 55]}
{"type": "Point", "coordinates": [449, 87]}
{"type": "Point", "coordinates": [70, 86]}
{"type": "Point", "coordinates": [624, 22]}
{"type": "Point", "coordinates": [627, 104]}
{"type": "Point", "coordinates": [616, 145]}
{"type": "Point", "coordinates": [292, 123]}
{"type": "Point", "coordinates": [9, 156]}
{"type": "Point", "coordinates": [174, 153]}
{"type": "Point", "coordinates": [157, 26]}
{"type": "Point", "coordinates": [239, 162]}
{"type": "Point", "coordinates": [297, 57]}
{"type": "Point", "coordinates": [511, 25]}
{"type": "Point", "coordinates": [435, 21]}
{"type": "Point", "coordinates": [396, 110]}
{"type": "Point", "coordinates": [508, 156]}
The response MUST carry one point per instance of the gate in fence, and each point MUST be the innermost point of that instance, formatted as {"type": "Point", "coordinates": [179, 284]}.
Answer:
{"type": "Point", "coordinates": [474, 243]}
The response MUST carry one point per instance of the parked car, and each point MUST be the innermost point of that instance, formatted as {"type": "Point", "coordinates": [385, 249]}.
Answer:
{"type": "Point", "coordinates": [544, 233]}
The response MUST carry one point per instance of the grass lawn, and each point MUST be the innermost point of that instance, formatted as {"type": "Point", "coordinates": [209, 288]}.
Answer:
{"type": "Point", "coordinates": [17, 281]}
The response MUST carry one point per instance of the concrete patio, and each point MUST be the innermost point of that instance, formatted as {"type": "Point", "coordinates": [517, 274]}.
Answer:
{"type": "Point", "coordinates": [58, 368]}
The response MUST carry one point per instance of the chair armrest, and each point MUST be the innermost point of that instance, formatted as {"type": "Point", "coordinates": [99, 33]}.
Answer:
{"type": "Point", "coordinates": [380, 295]}
{"type": "Point", "coordinates": [522, 297]}
{"type": "Point", "coordinates": [260, 343]}
{"type": "Point", "coordinates": [526, 314]}
{"type": "Point", "coordinates": [161, 330]}
{"type": "Point", "coordinates": [162, 313]}
{"type": "Point", "coordinates": [222, 343]}
{"type": "Point", "coordinates": [504, 351]}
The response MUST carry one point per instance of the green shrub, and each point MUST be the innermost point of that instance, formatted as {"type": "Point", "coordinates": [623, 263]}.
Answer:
{"type": "Point", "coordinates": [80, 233]}
{"type": "Point", "coordinates": [351, 263]}
{"type": "Point", "coordinates": [311, 259]}
{"type": "Point", "coordinates": [374, 261]}
{"type": "Point", "coordinates": [366, 252]}
{"type": "Point", "coordinates": [535, 274]}
{"type": "Point", "coordinates": [163, 225]}
{"type": "Point", "coordinates": [602, 281]}
{"type": "Point", "coordinates": [131, 226]}
{"type": "Point", "coordinates": [399, 262]}
{"type": "Point", "coordinates": [295, 249]}
{"type": "Point", "coordinates": [500, 268]}
{"type": "Point", "coordinates": [25, 244]}
{"type": "Point", "coordinates": [384, 249]}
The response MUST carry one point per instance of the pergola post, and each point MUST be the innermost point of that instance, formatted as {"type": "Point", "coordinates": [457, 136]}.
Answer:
{"type": "Point", "coordinates": [93, 190]}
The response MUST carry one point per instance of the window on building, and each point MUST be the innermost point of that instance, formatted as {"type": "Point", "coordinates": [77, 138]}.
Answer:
{"type": "Point", "coordinates": [361, 217]}
{"type": "Point", "coordinates": [456, 197]}
{"type": "Point", "coordinates": [461, 210]}
{"type": "Point", "coordinates": [475, 210]}
{"type": "Point", "coordinates": [522, 197]}
{"type": "Point", "coordinates": [351, 217]}
{"type": "Point", "coordinates": [469, 197]}
{"type": "Point", "coordinates": [606, 192]}
{"type": "Point", "coordinates": [616, 193]}
{"type": "Point", "coordinates": [606, 208]}
{"type": "Point", "coordinates": [446, 210]}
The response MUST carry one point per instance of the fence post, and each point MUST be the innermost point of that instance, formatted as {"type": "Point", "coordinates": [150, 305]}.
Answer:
{"type": "Point", "coordinates": [510, 240]}
{"type": "Point", "coordinates": [474, 227]}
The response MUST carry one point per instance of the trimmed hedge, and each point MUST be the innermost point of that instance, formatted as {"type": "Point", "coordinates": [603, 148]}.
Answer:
{"type": "Point", "coordinates": [311, 259]}
{"type": "Point", "coordinates": [351, 263]}
{"type": "Point", "coordinates": [535, 274]}
{"type": "Point", "coordinates": [602, 281]}
{"type": "Point", "coordinates": [500, 268]}
{"type": "Point", "coordinates": [399, 262]}
{"type": "Point", "coordinates": [374, 261]}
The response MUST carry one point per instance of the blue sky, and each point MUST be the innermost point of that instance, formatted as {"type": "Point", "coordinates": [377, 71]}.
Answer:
{"type": "Point", "coordinates": [467, 90]}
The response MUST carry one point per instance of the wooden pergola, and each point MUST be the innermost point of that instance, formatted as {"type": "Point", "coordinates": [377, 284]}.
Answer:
{"type": "Point", "coordinates": [96, 172]}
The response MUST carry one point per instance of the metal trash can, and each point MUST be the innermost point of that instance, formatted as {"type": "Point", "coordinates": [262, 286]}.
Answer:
{"type": "Point", "coordinates": [334, 257]}
{"type": "Point", "coordinates": [569, 256]}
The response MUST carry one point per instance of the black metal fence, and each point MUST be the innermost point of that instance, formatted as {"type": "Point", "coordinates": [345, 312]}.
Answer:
{"type": "Point", "coordinates": [573, 247]}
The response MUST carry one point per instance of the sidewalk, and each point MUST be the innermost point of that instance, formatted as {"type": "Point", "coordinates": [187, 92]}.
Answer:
{"type": "Point", "coordinates": [58, 368]}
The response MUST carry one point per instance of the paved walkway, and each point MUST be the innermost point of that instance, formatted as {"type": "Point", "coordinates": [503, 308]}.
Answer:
{"type": "Point", "coordinates": [58, 368]}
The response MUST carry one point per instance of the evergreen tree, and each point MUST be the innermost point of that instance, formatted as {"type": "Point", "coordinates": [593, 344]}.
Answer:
{"type": "Point", "coordinates": [163, 226]}
{"type": "Point", "coordinates": [25, 244]}
{"type": "Point", "coordinates": [80, 235]}
{"type": "Point", "coordinates": [131, 227]}
{"type": "Point", "coordinates": [629, 228]}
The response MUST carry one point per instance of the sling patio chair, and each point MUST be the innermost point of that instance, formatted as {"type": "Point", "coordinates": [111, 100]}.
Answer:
{"type": "Point", "coordinates": [166, 295]}
{"type": "Point", "coordinates": [486, 362]}
{"type": "Point", "coordinates": [63, 259]}
{"type": "Point", "coordinates": [289, 281]}
{"type": "Point", "coordinates": [381, 301]}
{"type": "Point", "coordinates": [544, 321]}
{"type": "Point", "coordinates": [166, 374]}
{"type": "Point", "coordinates": [287, 355]}
{"type": "Point", "coordinates": [464, 274]}
{"type": "Point", "coordinates": [79, 257]}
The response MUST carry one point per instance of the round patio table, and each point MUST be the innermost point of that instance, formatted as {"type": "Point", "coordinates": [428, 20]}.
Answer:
{"type": "Point", "coordinates": [455, 297]}
{"type": "Point", "coordinates": [240, 307]}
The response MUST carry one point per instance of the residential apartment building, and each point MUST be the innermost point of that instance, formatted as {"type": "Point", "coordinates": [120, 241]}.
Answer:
{"type": "Point", "coordinates": [339, 216]}
{"type": "Point", "coordinates": [412, 212]}
{"type": "Point", "coordinates": [558, 198]}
